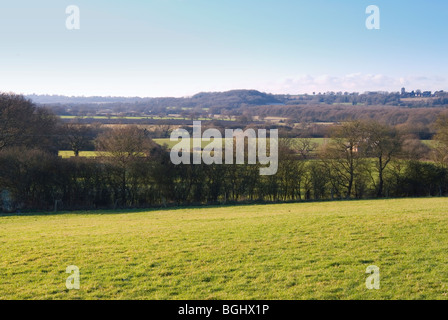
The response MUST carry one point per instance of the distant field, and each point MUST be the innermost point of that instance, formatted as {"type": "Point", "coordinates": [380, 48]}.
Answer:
{"type": "Point", "coordinates": [129, 118]}
{"type": "Point", "coordinates": [142, 118]}
{"type": "Point", "coordinates": [170, 144]}
{"type": "Point", "coordinates": [429, 143]}
{"type": "Point", "coordinates": [69, 153]}
{"type": "Point", "coordinates": [285, 251]}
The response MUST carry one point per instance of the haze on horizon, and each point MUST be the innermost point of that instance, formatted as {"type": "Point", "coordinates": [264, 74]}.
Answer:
{"type": "Point", "coordinates": [178, 48]}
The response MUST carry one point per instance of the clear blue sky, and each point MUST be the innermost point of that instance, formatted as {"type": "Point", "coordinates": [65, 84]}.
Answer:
{"type": "Point", "coordinates": [181, 47]}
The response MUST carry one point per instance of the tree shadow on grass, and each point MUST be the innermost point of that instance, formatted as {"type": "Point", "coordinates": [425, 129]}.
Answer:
{"type": "Point", "coordinates": [157, 209]}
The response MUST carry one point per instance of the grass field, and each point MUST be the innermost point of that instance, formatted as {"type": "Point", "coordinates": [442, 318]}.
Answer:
{"type": "Point", "coordinates": [163, 141]}
{"type": "Point", "coordinates": [284, 251]}
{"type": "Point", "coordinates": [171, 144]}
{"type": "Point", "coordinates": [69, 153]}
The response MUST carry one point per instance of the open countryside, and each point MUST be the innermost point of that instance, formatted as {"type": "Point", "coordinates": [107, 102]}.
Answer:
{"type": "Point", "coordinates": [321, 170]}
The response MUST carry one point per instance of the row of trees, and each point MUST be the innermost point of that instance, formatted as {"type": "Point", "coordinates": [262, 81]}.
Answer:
{"type": "Point", "coordinates": [363, 159]}
{"type": "Point", "coordinates": [37, 180]}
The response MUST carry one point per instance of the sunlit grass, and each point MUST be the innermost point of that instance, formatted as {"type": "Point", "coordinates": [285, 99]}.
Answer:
{"type": "Point", "coordinates": [69, 153]}
{"type": "Point", "coordinates": [285, 251]}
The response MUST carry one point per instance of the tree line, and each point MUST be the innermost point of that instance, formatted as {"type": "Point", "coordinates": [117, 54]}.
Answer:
{"type": "Point", "coordinates": [362, 159]}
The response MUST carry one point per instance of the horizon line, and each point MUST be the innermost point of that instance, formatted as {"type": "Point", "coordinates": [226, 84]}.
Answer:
{"type": "Point", "coordinates": [224, 91]}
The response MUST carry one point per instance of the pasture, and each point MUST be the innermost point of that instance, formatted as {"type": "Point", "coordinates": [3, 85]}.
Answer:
{"type": "Point", "coordinates": [170, 144]}
{"type": "Point", "coordinates": [283, 251]}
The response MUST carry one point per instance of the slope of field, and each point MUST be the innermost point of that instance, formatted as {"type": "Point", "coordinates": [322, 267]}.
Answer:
{"type": "Point", "coordinates": [285, 251]}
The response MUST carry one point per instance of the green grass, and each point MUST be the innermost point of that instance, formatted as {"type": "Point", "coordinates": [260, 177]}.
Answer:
{"type": "Point", "coordinates": [162, 141]}
{"type": "Point", "coordinates": [170, 144]}
{"type": "Point", "coordinates": [69, 153]}
{"type": "Point", "coordinates": [285, 251]}
{"type": "Point", "coordinates": [429, 143]}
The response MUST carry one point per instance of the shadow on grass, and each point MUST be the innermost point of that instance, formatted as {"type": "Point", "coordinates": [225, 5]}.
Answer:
{"type": "Point", "coordinates": [185, 207]}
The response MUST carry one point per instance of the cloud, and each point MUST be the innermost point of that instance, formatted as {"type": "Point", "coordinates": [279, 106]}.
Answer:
{"type": "Point", "coordinates": [354, 82]}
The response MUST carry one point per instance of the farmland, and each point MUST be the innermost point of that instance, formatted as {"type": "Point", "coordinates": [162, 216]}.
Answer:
{"type": "Point", "coordinates": [284, 251]}
{"type": "Point", "coordinates": [169, 117]}
{"type": "Point", "coordinates": [170, 144]}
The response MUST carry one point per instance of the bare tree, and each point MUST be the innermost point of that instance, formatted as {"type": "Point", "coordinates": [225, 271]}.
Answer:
{"type": "Point", "coordinates": [23, 124]}
{"type": "Point", "coordinates": [78, 136]}
{"type": "Point", "coordinates": [382, 143]}
{"type": "Point", "coordinates": [343, 155]}
{"type": "Point", "coordinates": [440, 152]}
{"type": "Point", "coordinates": [123, 148]}
{"type": "Point", "coordinates": [164, 130]}
{"type": "Point", "coordinates": [305, 147]}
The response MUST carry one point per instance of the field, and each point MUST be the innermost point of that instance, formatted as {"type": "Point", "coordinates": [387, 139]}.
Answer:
{"type": "Point", "coordinates": [162, 141]}
{"type": "Point", "coordinates": [168, 117]}
{"type": "Point", "coordinates": [128, 118]}
{"type": "Point", "coordinates": [283, 251]}
{"type": "Point", "coordinates": [170, 144]}
{"type": "Point", "coordinates": [68, 154]}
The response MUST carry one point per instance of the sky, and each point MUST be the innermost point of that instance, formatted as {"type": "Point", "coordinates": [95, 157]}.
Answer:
{"type": "Point", "coordinates": [155, 48]}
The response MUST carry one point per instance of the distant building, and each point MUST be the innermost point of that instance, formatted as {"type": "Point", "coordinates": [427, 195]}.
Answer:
{"type": "Point", "coordinates": [416, 93]}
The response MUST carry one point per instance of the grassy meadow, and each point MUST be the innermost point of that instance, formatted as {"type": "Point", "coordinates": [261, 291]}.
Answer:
{"type": "Point", "coordinates": [282, 251]}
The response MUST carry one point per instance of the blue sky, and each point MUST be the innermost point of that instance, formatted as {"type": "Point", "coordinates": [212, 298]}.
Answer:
{"type": "Point", "coordinates": [181, 47]}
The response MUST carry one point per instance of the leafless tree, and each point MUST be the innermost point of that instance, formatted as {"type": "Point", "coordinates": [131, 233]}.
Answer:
{"type": "Point", "coordinates": [124, 147]}
{"type": "Point", "coordinates": [78, 136]}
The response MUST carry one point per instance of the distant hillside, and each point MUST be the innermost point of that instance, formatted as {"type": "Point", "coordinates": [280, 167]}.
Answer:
{"type": "Point", "coordinates": [410, 110]}
{"type": "Point", "coordinates": [235, 98]}
{"type": "Point", "coordinates": [229, 99]}
{"type": "Point", "coordinates": [394, 107]}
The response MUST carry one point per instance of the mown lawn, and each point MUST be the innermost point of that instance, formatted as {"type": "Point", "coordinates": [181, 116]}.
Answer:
{"type": "Point", "coordinates": [284, 251]}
